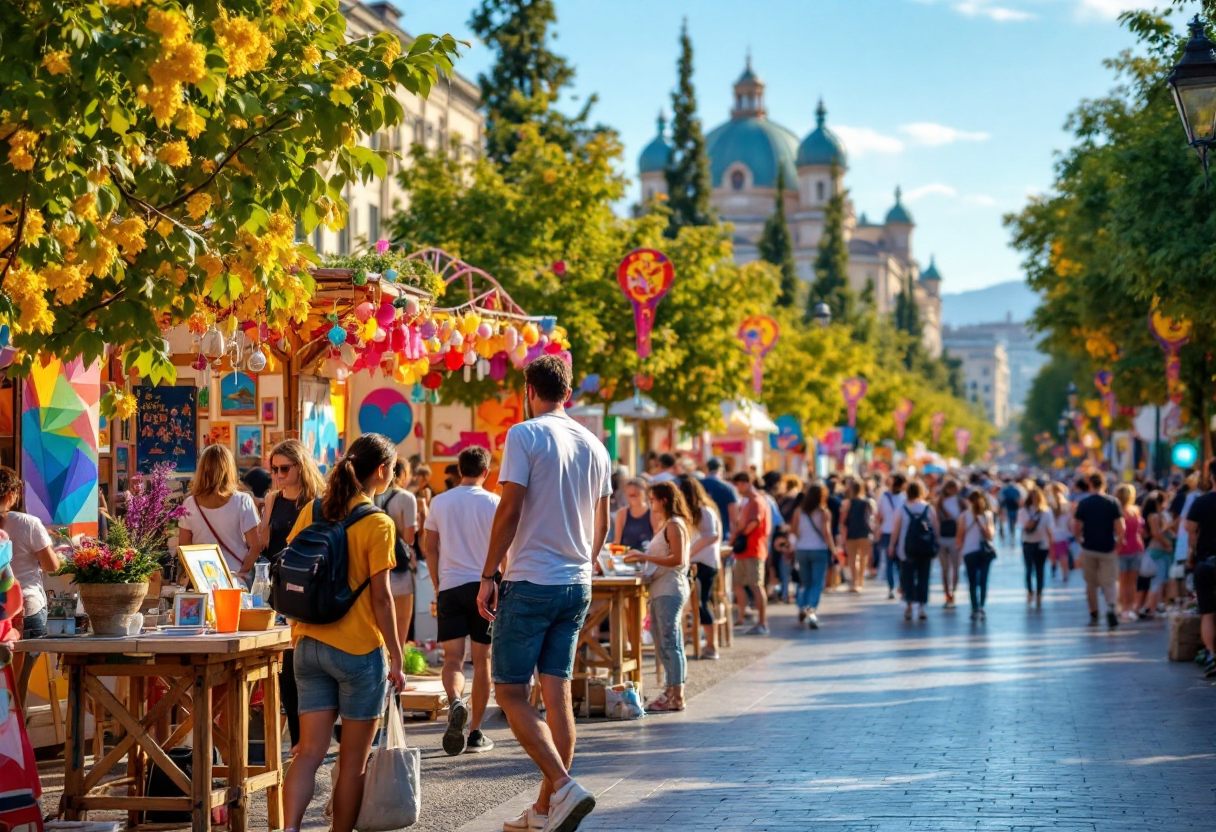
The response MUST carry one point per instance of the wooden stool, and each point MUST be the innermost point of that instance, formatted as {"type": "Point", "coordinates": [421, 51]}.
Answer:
{"type": "Point", "coordinates": [692, 616]}
{"type": "Point", "coordinates": [724, 608]}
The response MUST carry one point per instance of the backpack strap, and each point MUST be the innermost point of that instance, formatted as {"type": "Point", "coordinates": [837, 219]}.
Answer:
{"type": "Point", "coordinates": [360, 511]}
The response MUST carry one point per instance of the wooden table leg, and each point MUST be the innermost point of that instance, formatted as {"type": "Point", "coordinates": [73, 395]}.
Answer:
{"type": "Point", "coordinates": [238, 746]}
{"type": "Point", "coordinates": [74, 743]}
{"type": "Point", "coordinates": [201, 822]}
{"type": "Point", "coordinates": [616, 641]}
{"type": "Point", "coordinates": [637, 613]}
{"type": "Point", "coordinates": [137, 767]}
{"type": "Point", "coordinates": [273, 732]}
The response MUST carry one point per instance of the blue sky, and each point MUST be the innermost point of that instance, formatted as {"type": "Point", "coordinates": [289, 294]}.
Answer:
{"type": "Point", "coordinates": [960, 102]}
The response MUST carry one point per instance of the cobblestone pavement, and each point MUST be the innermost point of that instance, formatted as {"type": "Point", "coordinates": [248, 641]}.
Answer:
{"type": "Point", "coordinates": [1029, 721]}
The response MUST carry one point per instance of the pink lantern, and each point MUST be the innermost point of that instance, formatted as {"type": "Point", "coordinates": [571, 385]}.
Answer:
{"type": "Point", "coordinates": [385, 314]}
{"type": "Point", "coordinates": [364, 311]}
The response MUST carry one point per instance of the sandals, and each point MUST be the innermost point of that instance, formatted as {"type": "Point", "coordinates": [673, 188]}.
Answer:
{"type": "Point", "coordinates": [664, 705]}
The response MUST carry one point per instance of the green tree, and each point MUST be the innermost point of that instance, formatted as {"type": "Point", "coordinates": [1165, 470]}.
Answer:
{"type": "Point", "coordinates": [1047, 400]}
{"type": "Point", "coordinates": [527, 79]}
{"type": "Point", "coordinates": [777, 247]}
{"type": "Point", "coordinates": [688, 182]}
{"type": "Point", "coordinates": [831, 284]}
{"type": "Point", "coordinates": [157, 156]}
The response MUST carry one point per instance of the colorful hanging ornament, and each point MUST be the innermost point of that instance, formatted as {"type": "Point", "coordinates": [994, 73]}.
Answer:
{"type": "Point", "coordinates": [902, 411]}
{"type": "Point", "coordinates": [854, 390]}
{"type": "Point", "coordinates": [962, 439]}
{"type": "Point", "coordinates": [336, 335]}
{"type": "Point", "coordinates": [645, 276]}
{"type": "Point", "coordinates": [1172, 334]}
{"type": "Point", "coordinates": [758, 333]}
{"type": "Point", "coordinates": [937, 422]}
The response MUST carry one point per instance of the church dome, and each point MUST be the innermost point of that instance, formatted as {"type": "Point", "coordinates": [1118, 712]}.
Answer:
{"type": "Point", "coordinates": [763, 146]}
{"type": "Point", "coordinates": [821, 147]}
{"type": "Point", "coordinates": [655, 155]}
{"type": "Point", "coordinates": [931, 273]}
{"type": "Point", "coordinates": [899, 214]}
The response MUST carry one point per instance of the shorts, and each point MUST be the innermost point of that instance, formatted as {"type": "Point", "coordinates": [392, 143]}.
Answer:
{"type": "Point", "coordinates": [1099, 568]}
{"type": "Point", "coordinates": [1059, 550]}
{"type": "Point", "coordinates": [749, 572]}
{"type": "Point", "coordinates": [1144, 583]}
{"type": "Point", "coordinates": [401, 583]}
{"type": "Point", "coordinates": [947, 551]}
{"type": "Point", "coordinates": [1164, 560]}
{"type": "Point", "coordinates": [329, 679]}
{"type": "Point", "coordinates": [1130, 563]}
{"type": "Point", "coordinates": [536, 627]}
{"type": "Point", "coordinates": [1205, 585]}
{"type": "Point", "coordinates": [34, 625]}
{"type": "Point", "coordinates": [458, 615]}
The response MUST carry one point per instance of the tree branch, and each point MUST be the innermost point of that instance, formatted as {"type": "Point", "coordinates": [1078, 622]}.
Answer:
{"type": "Point", "coordinates": [84, 316]}
{"type": "Point", "coordinates": [232, 154]}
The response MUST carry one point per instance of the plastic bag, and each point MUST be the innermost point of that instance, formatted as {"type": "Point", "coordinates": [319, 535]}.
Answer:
{"type": "Point", "coordinates": [623, 702]}
{"type": "Point", "coordinates": [391, 790]}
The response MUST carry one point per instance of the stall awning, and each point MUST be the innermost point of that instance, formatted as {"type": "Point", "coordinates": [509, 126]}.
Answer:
{"type": "Point", "coordinates": [638, 407]}
{"type": "Point", "coordinates": [746, 416]}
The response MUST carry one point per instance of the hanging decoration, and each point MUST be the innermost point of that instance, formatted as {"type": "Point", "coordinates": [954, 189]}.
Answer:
{"type": "Point", "coordinates": [854, 390]}
{"type": "Point", "coordinates": [1172, 334]}
{"type": "Point", "coordinates": [902, 411]}
{"type": "Point", "coordinates": [1103, 380]}
{"type": "Point", "coordinates": [758, 333]}
{"type": "Point", "coordinates": [937, 422]}
{"type": "Point", "coordinates": [962, 439]}
{"type": "Point", "coordinates": [645, 276]}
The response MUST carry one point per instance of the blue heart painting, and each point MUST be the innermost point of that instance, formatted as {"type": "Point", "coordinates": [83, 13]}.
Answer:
{"type": "Point", "coordinates": [386, 411]}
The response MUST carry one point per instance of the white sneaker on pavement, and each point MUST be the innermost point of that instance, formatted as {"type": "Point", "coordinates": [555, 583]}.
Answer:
{"type": "Point", "coordinates": [568, 806]}
{"type": "Point", "coordinates": [529, 821]}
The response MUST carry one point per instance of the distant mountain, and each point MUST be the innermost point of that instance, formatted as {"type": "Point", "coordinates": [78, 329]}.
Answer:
{"type": "Point", "coordinates": [992, 303]}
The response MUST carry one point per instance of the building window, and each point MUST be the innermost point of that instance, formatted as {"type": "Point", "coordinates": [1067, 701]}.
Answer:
{"type": "Point", "coordinates": [373, 223]}
{"type": "Point", "coordinates": [987, 388]}
{"type": "Point", "coordinates": [985, 371]}
{"type": "Point", "coordinates": [737, 180]}
{"type": "Point", "coordinates": [819, 190]}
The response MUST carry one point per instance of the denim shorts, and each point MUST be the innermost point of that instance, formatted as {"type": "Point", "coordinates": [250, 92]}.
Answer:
{"type": "Point", "coordinates": [536, 627]}
{"type": "Point", "coordinates": [329, 679]}
{"type": "Point", "coordinates": [35, 625]}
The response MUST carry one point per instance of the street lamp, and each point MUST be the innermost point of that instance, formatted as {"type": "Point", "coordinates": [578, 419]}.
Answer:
{"type": "Point", "coordinates": [1193, 84]}
{"type": "Point", "coordinates": [821, 314]}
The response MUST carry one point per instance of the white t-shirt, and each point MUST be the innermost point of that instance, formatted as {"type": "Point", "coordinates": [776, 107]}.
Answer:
{"type": "Point", "coordinates": [710, 527]}
{"type": "Point", "coordinates": [402, 507]}
{"type": "Point", "coordinates": [231, 522]}
{"type": "Point", "coordinates": [663, 476]}
{"type": "Point", "coordinates": [972, 536]}
{"type": "Point", "coordinates": [951, 509]}
{"type": "Point", "coordinates": [809, 538]}
{"type": "Point", "coordinates": [890, 504]}
{"type": "Point", "coordinates": [29, 537]}
{"type": "Point", "coordinates": [567, 471]}
{"type": "Point", "coordinates": [1061, 529]}
{"type": "Point", "coordinates": [462, 517]}
{"type": "Point", "coordinates": [1039, 535]}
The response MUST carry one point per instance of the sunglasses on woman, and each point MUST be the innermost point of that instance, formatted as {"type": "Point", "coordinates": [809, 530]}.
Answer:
{"type": "Point", "coordinates": [282, 470]}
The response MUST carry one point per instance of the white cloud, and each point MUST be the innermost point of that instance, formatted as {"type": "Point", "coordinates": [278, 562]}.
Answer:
{"type": "Point", "coordinates": [1107, 9]}
{"type": "Point", "coordinates": [935, 135]}
{"type": "Point", "coordinates": [999, 14]}
{"type": "Point", "coordinates": [860, 141]}
{"type": "Point", "coordinates": [982, 200]}
{"type": "Point", "coordinates": [934, 189]}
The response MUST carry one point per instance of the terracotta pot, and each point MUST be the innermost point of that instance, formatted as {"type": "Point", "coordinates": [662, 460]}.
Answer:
{"type": "Point", "coordinates": [110, 605]}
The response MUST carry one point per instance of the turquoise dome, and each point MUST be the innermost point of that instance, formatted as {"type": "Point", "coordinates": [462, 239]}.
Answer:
{"type": "Point", "coordinates": [899, 214]}
{"type": "Point", "coordinates": [763, 146]}
{"type": "Point", "coordinates": [655, 155]}
{"type": "Point", "coordinates": [931, 273]}
{"type": "Point", "coordinates": [822, 146]}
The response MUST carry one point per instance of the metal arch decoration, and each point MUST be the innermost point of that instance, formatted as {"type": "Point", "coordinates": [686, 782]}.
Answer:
{"type": "Point", "coordinates": [489, 296]}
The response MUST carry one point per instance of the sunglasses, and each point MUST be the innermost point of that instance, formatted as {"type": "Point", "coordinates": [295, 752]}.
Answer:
{"type": "Point", "coordinates": [281, 470]}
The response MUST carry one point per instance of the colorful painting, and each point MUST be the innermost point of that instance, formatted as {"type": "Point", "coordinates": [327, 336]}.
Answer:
{"type": "Point", "coordinates": [239, 395]}
{"type": "Point", "coordinates": [249, 441]}
{"type": "Point", "coordinates": [59, 417]}
{"type": "Point", "coordinates": [103, 435]}
{"type": "Point", "coordinates": [270, 411]}
{"type": "Point", "coordinates": [318, 422]}
{"type": "Point", "coordinates": [273, 437]}
{"type": "Point", "coordinates": [190, 609]}
{"type": "Point", "coordinates": [220, 433]}
{"type": "Point", "coordinates": [122, 468]}
{"type": "Point", "coordinates": [204, 398]}
{"type": "Point", "coordinates": [206, 567]}
{"type": "Point", "coordinates": [385, 411]}
{"type": "Point", "coordinates": [166, 428]}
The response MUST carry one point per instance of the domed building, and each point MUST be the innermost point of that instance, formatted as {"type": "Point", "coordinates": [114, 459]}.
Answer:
{"type": "Point", "coordinates": [747, 156]}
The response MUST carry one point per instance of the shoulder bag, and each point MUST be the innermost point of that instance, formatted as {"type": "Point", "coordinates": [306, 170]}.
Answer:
{"type": "Point", "coordinates": [219, 540]}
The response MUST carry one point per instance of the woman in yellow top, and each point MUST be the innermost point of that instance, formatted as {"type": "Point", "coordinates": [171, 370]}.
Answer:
{"type": "Point", "coordinates": [340, 667]}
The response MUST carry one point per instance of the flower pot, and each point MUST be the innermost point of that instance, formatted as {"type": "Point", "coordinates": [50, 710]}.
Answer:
{"type": "Point", "coordinates": [110, 605]}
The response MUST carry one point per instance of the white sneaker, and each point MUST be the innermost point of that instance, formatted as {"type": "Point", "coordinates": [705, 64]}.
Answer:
{"type": "Point", "coordinates": [568, 806]}
{"type": "Point", "coordinates": [529, 821]}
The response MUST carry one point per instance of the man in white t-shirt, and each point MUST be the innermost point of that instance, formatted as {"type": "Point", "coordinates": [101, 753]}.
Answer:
{"type": "Point", "coordinates": [556, 485]}
{"type": "Point", "coordinates": [670, 473]}
{"type": "Point", "coordinates": [455, 544]}
{"type": "Point", "coordinates": [889, 504]}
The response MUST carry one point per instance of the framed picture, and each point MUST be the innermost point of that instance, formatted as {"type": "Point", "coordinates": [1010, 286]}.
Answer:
{"type": "Point", "coordinates": [249, 441]}
{"type": "Point", "coordinates": [190, 609]}
{"type": "Point", "coordinates": [122, 468]}
{"type": "Point", "coordinates": [206, 567]}
{"type": "Point", "coordinates": [273, 437]}
{"type": "Point", "coordinates": [239, 394]}
{"type": "Point", "coordinates": [270, 411]}
{"type": "Point", "coordinates": [220, 433]}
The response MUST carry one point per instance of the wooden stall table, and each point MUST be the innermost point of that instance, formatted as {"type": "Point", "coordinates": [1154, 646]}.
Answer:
{"type": "Point", "coordinates": [191, 667]}
{"type": "Point", "coordinates": [624, 607]}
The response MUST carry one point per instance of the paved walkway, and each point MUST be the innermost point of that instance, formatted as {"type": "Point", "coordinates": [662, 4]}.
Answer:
{"type": "Point", "coordinates": [1030, 721]}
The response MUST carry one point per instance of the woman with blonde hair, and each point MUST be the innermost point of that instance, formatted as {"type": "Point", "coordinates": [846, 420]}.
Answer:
{"type": "Point", "coordinates": [220, 512]}
{"type": "Point", "coordinates": [705, 554]}
{"type": "Point", "coordinates": [1061, 531]}
{"type": "Point", "coordinates": [1131, 550]}
{"type": "Point", "coordinates": [1036, 522]}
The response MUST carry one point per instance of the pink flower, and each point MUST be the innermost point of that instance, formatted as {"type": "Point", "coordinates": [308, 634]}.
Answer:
{"type": "Point", "coordinates": [382, 246]}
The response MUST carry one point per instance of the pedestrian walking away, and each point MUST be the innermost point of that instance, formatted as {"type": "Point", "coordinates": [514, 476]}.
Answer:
{"type": "Point", "coordinates": [1098, 525]}
{"type": "Point", "coordinates": [976, 531]}
{"type": "Point", "coordinates": [889, 505]}
{"type": "Point", "coordinates": [1061, 530]}
{"type": "Point", "coordinates": [705, 555]}
{"type": "Point", "coordinates": [858, 513]}
{"type": "Point", "coordinates": [950, 507]}
{"type": "Point", "coordinates": [915, 539]}
{"type": "Point", "coordinates": [1160, 554]}
{"type": "Point", "coordinates": [1036, 522]}
{"type": "Point", "coordinates": [815, 548]}
{"type": "Point", "coordinates": [552, 518]}
{"type": "Point", "coordinates": [456, 540]}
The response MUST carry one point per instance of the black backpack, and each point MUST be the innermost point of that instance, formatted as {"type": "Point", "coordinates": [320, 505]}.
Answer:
{"type": "Point", "coordinates": [920, 542]}
{"type": "Point", "coordinates": [308, 583]}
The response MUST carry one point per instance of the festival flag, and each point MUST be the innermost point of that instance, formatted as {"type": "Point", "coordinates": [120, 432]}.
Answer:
{"type": "Point", "coordinates": [758, 333]}
{"type": "Point", "coordinates": [1172, 334]}
{"type": "Point", "coordinates": [962, 438]}
{"type": "Point", "coordinates": [938, 422]}
{"type": "Point", "coordinates": [854, 390]}
{"type": "Point", "coordinates": [902, 411]}
{"type": "Point", "coordinates": [645, 276]}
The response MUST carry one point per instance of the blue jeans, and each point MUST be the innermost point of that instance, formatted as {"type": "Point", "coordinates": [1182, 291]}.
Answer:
{"type": "Point", "coordinates": [813, 570]}
{"type": "Point", "coordinates": [668, 633]}
{"type": "Point", "coordinates": [977, 578]}
{"type": "Point", "coordinates": [883, 550]}
{"type": "Point", "coordinates": [536, 627]}
{"type": "Point", "coordinates": [783, 569]}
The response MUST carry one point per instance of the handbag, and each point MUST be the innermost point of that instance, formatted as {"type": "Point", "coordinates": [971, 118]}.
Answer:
{"type": "Point", "coordinates": [1148, 566]}
{"type": "Point", "coordinates": [392, 788]}
{"type": "Point", "coordinates": [739, 545]}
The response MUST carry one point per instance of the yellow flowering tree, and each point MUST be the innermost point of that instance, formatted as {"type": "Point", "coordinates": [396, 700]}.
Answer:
{"type": "Point", "coordinates": [156, 156]}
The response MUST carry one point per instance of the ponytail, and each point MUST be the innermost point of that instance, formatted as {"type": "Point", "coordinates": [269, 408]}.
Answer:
{"type": "Point", "coordinates": [346, 481]}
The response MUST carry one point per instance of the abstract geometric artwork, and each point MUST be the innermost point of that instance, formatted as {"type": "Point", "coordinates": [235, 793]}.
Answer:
{"type": "Point", "coordinates": [60, 409]}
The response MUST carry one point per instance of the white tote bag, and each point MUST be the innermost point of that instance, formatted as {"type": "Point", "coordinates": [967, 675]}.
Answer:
{"type": "Point", "coordinates": [391, 791]}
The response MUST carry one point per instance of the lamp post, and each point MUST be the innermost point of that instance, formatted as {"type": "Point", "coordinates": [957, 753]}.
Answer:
{"type": "Point", "coordinates": [821, 314]}
{"type": "Point", "coordinates": [1193, 85]}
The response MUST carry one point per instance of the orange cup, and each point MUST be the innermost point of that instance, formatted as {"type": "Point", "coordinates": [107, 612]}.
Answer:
{"type": "Point", "coordinates": [227, 609]}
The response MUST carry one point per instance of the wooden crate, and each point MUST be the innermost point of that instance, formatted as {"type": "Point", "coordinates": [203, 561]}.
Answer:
{"type": "Point", "coordinates": [427, 697]}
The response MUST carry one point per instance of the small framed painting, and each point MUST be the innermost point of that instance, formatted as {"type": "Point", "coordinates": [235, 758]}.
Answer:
{"type": "Point", "coordinates": [190, 609]}
{"type": "Point", "coordinates": [239, 394]}
{"type": "Point", "coordinates": [270, 411]}
{"type": "Point", "coordinates": [249, 441]}
{"type": "Point", "coordinates": [220, 433]}
{"type": "Point", "coordinates": [273, 437]}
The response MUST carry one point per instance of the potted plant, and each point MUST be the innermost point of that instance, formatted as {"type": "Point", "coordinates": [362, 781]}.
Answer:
{"type": "Point", "coordinates": [112, 581]}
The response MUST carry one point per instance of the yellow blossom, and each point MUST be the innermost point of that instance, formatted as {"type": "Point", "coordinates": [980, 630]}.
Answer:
{"type": "Point", "coordinates": [122, 4]}
{"type": "Point", "coordinates": [164, 99]}
{"type": "Point", "coordinates": [185, 64]}
{"type": "Point", "coordinates": [99, 256]}
{"type": "Point", "coordinates": [19, 155]}
{"type": "Point", "coordinates": [67, 235]}
{"type": "Point", "coordinates": [7, 235]}
{"type": "Point", "coordinates": [85, 206]}
{"type": "Point", "coordinates": [66, 281]}
{"type": "Point", "coordinates": [34, 225]}
{"type": "Point", "coordinates": [170, 25]}
{"type": "Point", "coordinates": [392, 49]}
{"type": "Point", "coordinates": [237, 123]}
{"type": "Point", "coordinates": [190, 122]}
{"type": "Point", "coordinates": [211, 264]}
{"type": "Point", "coordinates": [129, 234]}
{"type": "Point", "coordinates": [208, 166]}
{"type": "Point", "coordinates": [349, 78]}
{"type": "Point", "coordinates": [136, 154]}
{"type": "Point", "coordinates": [246, 47]}
{"type": "Point", "coordinates": [312, 55]}
{"type": "Point", "coordinates": [56, 62]}
{"type": "Point", "coordinates": [175, 154]}
{"type": "Point", "coordinates": [164, 227]}
{"type": "Point", "coordinates": [98, 176]}
{"type": "Point", "coordinates": [198, 205]}
{"type": "Point", "coordinates": [124, 406]}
